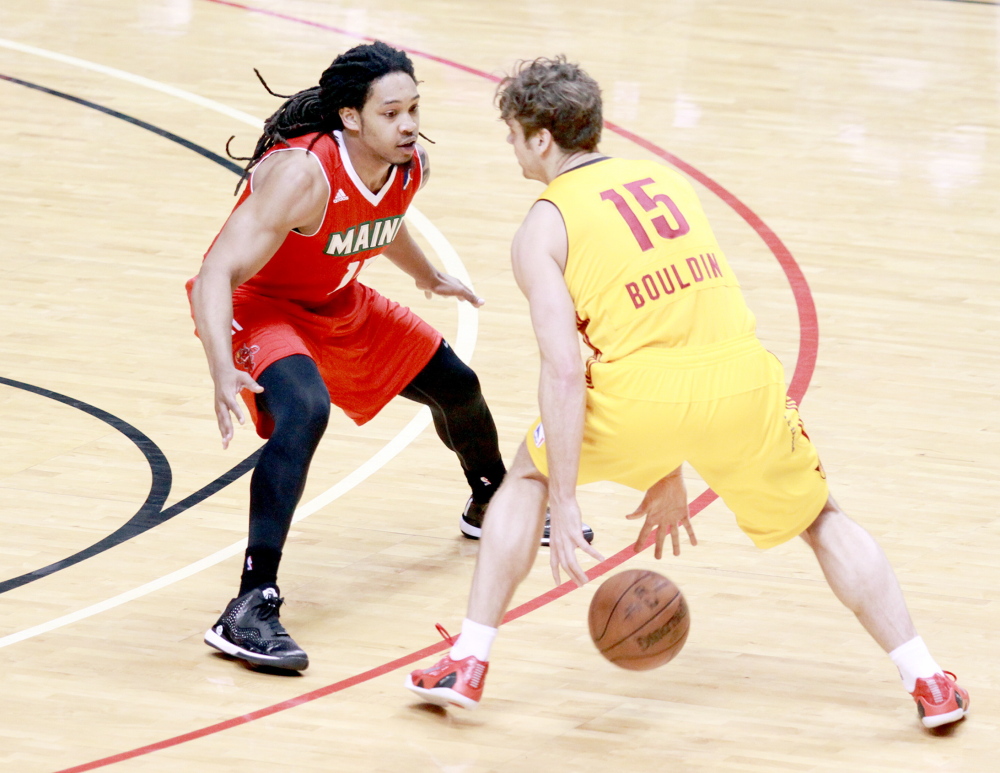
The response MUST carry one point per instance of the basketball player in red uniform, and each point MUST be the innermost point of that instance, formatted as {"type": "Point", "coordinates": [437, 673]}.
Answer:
{"type": "Point", "coordinates": [285, 322]}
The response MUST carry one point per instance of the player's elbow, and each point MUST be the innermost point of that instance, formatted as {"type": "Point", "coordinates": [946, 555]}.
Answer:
{"type": "Point", "coordinates": [210, 275]}
{"type": "Point", "coordinates": [566, 373]}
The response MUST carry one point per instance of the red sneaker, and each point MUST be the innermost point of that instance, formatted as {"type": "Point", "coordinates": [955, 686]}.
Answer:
{"type": "Point", "coordinates": [940, 700]}
{"type": "Point", "coordinates": [449, 682]}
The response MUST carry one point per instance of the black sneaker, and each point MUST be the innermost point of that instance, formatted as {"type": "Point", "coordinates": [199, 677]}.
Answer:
{"type": "Point", "coordinates": [472, 523]}
{"type": "Point", "coordinates": [249, 630]}
{"type": "Point", "coordinates": [588, 533]}
{"type": "Point", "coordinates": [472, 519]}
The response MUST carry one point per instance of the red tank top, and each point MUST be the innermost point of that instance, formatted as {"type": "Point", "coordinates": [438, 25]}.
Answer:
{"type": "Point", "coordinates": [357, 226]}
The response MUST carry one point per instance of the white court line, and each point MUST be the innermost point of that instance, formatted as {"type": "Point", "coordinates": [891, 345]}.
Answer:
{"type": "Point", "coordinates": [464, 345]}
{"type": "Point", "coordinates": [139, 80]}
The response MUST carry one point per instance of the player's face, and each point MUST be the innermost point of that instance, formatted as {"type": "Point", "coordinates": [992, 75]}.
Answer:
{"type": "Point", "coordinates": [390, 118]}
{"type": "Point", "coordinates": [524, 151]}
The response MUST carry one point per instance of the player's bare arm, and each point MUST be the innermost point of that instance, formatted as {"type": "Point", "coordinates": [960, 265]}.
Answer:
{"type": "Point", "coordinates": [407, 255]}
{"type": "Point", "coordinates": [538, 255]}
{"type": "Point", "coordinates": [665, 508]}
{"type": "Point", "coordinates": [289, 192]}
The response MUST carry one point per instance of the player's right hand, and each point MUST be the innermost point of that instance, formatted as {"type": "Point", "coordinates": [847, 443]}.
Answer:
{"type": "Point", "coordinates": [665, 508]}
{"type": "Point", "coordinates": [228, 385]}
{"type": "Point", "coordinates": [565, 537]}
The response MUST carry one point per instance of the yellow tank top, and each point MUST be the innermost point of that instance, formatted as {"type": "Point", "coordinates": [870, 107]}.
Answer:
{"type": "Point", "coordinates": [644, 269]}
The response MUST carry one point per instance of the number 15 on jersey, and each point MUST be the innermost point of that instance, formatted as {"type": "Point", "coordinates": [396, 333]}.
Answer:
{"type": "Point", "coordinates": [664, 227]}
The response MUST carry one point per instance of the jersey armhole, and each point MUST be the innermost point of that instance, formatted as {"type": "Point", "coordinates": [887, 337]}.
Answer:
{"type": "Point", "coordinates": [326, 177]}
{"type": "Point", "coordinates": [565, 229]}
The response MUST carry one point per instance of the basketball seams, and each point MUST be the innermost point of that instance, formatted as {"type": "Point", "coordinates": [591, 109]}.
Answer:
{"type": "Point", "coordinates": [665, 608]}
{"type": "Point", "coordinates": [635, 660]}
{"type": "Point", "coordinates": [611, 612]}
{"type": "Point", "coordinates": [634, 601]}
{"type": "Point", "coordinates": [673, 645]}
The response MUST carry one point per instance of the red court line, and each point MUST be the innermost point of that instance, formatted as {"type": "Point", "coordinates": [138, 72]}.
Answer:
{"type": "Point", "coordinates": [699, 504]}
{"type": "Point", "coordinates": [804, 367]}
{"type": "Point", "coordinates": [808, 323]}
{"type": "Point", "coordinates": [356, 36]}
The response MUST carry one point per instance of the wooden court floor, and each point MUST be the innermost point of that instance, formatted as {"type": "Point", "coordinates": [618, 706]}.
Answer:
{"type": "Point", "coordinates": [849, 155]}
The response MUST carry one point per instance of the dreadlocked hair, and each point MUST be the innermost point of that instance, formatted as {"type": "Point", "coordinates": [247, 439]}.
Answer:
{"type": "Point", "coordinates": [345, 83]}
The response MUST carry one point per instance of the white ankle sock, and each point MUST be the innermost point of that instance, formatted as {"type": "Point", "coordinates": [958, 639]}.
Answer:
{"type": "Point", "coordinates": [914, 662]}
{"type": "Point", "coordinates": [476, 639]}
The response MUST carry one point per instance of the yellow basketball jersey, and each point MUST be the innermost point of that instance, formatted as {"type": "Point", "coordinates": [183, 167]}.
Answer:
{"type": "Point", "coordinates": [644, 269]}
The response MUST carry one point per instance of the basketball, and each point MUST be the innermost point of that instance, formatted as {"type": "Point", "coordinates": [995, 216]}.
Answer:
{"type": "Point", "coordinates": [639, 619]}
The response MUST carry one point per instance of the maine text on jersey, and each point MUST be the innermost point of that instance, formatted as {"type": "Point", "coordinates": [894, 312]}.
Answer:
{"type": "Point", "coordinates": [367, 236]}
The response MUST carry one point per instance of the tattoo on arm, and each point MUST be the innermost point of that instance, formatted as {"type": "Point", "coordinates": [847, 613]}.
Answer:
{"type": "Point", "coordinates": [425, 165]}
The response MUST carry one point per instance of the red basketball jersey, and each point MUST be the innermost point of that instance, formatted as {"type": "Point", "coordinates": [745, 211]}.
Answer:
{"type": "Point", "coordinates": [357, 226]}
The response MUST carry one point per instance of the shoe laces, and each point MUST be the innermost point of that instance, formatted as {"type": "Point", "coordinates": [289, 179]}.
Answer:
{"type": "Point", "coordinates": [939, 686]}
{"type": "Point", "coordinates": [937, 694]}
{"type": "Point", "coordinates": [267, 611]}
{"type": "Point", "coordinates": [476, 677]}
{"type": "Point", "coordinates": [444, 634]}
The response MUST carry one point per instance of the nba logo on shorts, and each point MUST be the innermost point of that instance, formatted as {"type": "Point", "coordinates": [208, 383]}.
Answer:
{"type": "Point", "coordinates": [539, 435]}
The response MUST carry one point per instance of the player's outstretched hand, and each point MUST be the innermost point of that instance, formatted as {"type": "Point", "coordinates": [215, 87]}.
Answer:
{"type": "Point", "coordinates": [565, 536]}
{"type": "Point", "coordinates": [665, 508]}
{"type": "Point", "coordinates": [449, 286]}
{"type": "Point", "coordinates": [227, 389]}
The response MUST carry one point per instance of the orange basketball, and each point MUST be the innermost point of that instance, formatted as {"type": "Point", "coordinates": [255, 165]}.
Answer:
{"type": "Point", "coordinates": [638, 619]}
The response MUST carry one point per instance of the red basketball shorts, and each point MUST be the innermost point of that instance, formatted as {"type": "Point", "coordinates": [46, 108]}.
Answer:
{"type": "Point", "coordinates": [367, 347]}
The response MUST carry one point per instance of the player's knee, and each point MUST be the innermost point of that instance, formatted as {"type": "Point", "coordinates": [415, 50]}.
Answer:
{"type": "Point", "coordinates": [462, 386]}
{"type": "Point", "coordinates": [457, 382]}
{"type": "Point", "coordinates": [315, 412]}
{"type": "Point", "coordinates": [447, 384]}
{"type": "Point", "coordinates": [524, 467]}
{"type": "Point", "coordinates": [829, 520]}
{"type": "Point", "coordinates": [304, 410]}
{"type": "Point", "coordinates": [460, 394]}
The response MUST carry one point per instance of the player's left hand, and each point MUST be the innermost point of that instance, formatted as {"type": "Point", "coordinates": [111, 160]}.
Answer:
{"type": "Point", "coordinates": [665, 508]}
{"type": "Point", "coordinates": [449, 286]}
{"type": "Point", "coordinates": [565, 536]}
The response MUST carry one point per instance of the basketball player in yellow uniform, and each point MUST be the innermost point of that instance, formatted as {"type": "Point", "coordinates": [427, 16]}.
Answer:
{"type": "Point", "coordinates": [621, 253]}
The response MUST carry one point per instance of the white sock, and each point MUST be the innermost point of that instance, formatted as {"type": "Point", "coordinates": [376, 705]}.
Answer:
{"type": "Point", "coordinates": [476, 639]}
{"type": "Point", "coordinates": [914, 662]}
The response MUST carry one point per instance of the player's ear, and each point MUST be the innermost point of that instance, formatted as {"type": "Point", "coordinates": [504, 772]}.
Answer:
{"type": "Point", "coordinates": [543, 140]}
{"type": "Point", "coordinates": [350, 118]}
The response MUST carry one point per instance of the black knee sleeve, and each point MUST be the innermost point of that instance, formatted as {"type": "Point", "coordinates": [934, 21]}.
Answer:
{"type": "Point", "coordinates": [463, 421]}
{"type": "Point", "coordinates": [297, 399]}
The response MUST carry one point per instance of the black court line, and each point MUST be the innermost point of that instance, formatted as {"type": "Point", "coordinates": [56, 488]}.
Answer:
{"type": "Point", "coordinates": [151, 513]}
{"type": "Point", "coordinates": [130, 119]}
{"type": "Point", "coordinates": [973, 2]}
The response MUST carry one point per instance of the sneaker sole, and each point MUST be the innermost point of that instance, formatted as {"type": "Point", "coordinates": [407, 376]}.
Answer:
{"type": "Point", "coordinates": [474, 532]}
{"type": "Point", "coordinates": [588, 534]}
{"type": "Point", "coordinates": [212, 639]}
{"type": "Point", "coordinates": [943, 719]}
{"type": "Point", "coordinates": [441, 696]}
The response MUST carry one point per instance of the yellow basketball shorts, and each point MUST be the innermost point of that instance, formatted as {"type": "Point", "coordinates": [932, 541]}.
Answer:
{"type": "Point", "coordinates": [750, 447]}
